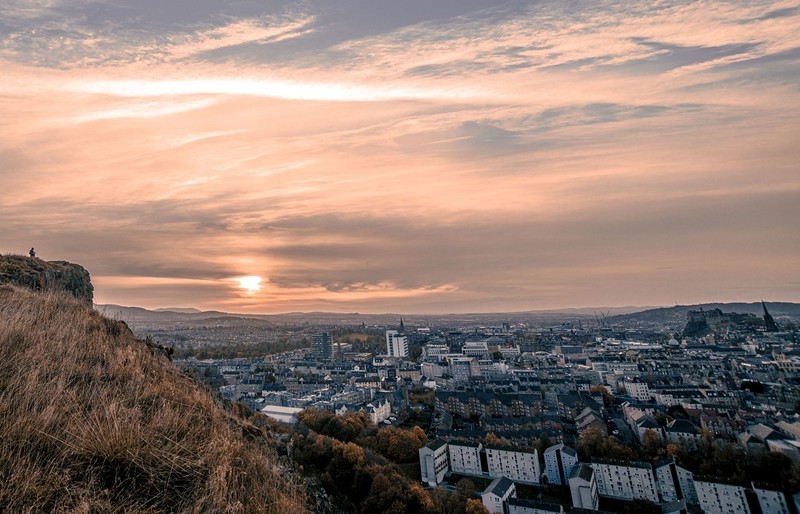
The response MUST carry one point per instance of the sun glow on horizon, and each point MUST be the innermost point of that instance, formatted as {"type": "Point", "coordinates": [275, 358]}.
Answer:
{"type": "Point", "coordinates": [250, 283]}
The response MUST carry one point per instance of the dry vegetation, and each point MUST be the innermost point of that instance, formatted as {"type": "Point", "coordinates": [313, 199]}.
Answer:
{"type": "Point", "coordinates": [93, 420]}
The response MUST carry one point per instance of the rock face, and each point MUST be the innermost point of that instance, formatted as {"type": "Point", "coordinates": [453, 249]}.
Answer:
{"type": "Point", "coordinates": [40, 275]}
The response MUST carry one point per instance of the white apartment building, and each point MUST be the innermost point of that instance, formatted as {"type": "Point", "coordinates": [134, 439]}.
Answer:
{"type": "Point", "coordinates": [583, 487]}
{"type": "Point", "coordinates": [433, 462]}
{"type": "Point", "coordinates": [639, 390]}
{"type": "Point", "coordinates": [496, 495]}
{"type": "Point", "coordinates": [396, 344]}
{"type": "Point", "coordinates": [465, 458]}
{"type": "Point", "coordinates": [519, 466]}
{"type": "Point", "coordinates": [716, 498]}
{"type": "Point", "coordinates": [558, 463]}
{"type": "Point", "coordinates": [674, 483]}
{"type": "Point", "coordinates": [770, 500]}
{"type": "Point", "coordinates": [625, 481]}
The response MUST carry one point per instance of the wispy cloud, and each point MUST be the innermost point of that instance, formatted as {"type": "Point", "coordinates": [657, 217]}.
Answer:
{"type": "Point", "coordinates": [444, 157]}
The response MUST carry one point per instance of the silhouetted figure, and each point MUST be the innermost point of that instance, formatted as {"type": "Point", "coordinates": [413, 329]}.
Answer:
{"type": "Point", "coordinates": [32, 252]}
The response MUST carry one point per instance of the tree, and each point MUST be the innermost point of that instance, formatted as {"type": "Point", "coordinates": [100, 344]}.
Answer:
{"type": "Point", "coordinates": [475, 506]}
{"type": "Point", "coordinates": [652, 443]}
{"type": "Point", "coordinates": [397, 444]}
{"type": "Point", "coordinates": [608, 398]}
{"type": "Point", "coordinates": [492, 440]}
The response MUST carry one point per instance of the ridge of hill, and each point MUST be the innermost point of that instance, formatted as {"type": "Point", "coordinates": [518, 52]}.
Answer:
{"type": "Point", "coordinates": [678, 313]}
{"type": "Point", "coordinates": [93, 419]}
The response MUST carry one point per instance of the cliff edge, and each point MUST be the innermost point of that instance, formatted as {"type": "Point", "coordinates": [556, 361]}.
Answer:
{"type": "Point", "coordinates": [39, 275]}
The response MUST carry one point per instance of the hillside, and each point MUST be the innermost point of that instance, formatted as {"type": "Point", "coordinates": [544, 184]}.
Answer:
{"type": "Point", "coordinates": [94, 420]}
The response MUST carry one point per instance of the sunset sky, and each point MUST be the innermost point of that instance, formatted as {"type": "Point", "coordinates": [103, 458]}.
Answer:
{"type": "Point", "coordinates": [411, 156]}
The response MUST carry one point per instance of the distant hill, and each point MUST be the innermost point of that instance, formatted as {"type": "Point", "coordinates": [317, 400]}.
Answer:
{"type": "Point", "coordinates": [94, 420]}
{"type": "Point", "coordinates": [138, 315]}
{"type": "Point", "coordinates": [679, 312]}
{"type": "Point", "coordinates": [181, 310]}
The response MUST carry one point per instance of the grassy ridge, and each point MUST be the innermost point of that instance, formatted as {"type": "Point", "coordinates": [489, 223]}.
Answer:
{"type": "Point", "coordinates": [94, 420]}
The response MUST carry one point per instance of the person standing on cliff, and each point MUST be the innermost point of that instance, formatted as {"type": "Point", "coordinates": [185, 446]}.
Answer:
{"type": "Point", "coordinates": [32, 253]}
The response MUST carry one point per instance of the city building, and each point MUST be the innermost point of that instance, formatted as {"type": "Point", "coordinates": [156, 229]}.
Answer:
{"type": "Point", "coordinates": [628, 480]}
{"type": "Point", "coordinates": [465, 458]}
{"type": "Point", "coordinates": [517, 465]}
{"type": "Point", "coordinates": [583, 487]}
{"type": "Point", "coordinates": [558, 463]}
{"type": "Point", "coordinates": [674, 483]}
{"type": "Point", "coordinates": [433, 462]}
{"type": "Point", "coordinates": [496, 495]}
{"type": "Point", "coordinates": [770, 499]}
{"type": "Point", "coordinates": [396, 344]}
{"type": "Point", "coordinates": [322, 346]}
{"type": "Point", "coordinates": [718, 498]}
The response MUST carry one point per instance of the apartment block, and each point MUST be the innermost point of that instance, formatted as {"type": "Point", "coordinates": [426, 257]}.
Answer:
{"type": "Point", "coordinates": [718, 498]}
{"type": "Point", "coordinates": [517, 465]}
{"type": "Point", "coordinates": [433, 462]}
{"type": "Point", "coordinates": [558, 463]}
{"type": "Point", "coordinates": [625, 480]}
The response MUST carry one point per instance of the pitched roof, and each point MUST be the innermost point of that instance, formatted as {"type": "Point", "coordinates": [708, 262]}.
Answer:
{"type": "Point", "coordinates": [582, 471]}
{"type": "Point", "coordinates": [499, 486]}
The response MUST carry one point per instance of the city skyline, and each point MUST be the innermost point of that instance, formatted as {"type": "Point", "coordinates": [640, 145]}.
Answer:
{"type": "Point", "coordinates": [464, 156]}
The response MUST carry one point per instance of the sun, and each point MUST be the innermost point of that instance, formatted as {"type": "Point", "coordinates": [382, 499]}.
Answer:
{"type": "Point", "coordinates": [251, 283]}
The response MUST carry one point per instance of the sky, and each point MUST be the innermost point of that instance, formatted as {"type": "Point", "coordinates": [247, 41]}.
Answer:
{"type": "Point", "coordinates": [405, 156]}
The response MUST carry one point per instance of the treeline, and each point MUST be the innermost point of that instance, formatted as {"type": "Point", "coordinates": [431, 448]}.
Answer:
{"type": "Point", "coordinates": [365, 469]}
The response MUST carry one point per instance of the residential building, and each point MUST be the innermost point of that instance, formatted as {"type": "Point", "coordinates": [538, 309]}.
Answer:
{"type": "Point", "coordinates": [465, 458]}
{"type": "Point", "coordinates": [558, 463]}
{"type": "Point", "coordinates": [517, 465]}
{"type": "Point", "coordinates": [674, 483]}
{"type": "Point", "coordinates": [625, 480]}
{"type": "Point", "coordinates": [322, 346]}
{"type": "Point", "coordinates": [718, 498]}
{"type": "Point", "coordinates": [771, 500]}
{"type": "Point", "coordinates": [396, 344]}
{"type": "Point", "coordinates": [433, 462]}
{"type": "Point", "coordinates": [496, 495]}
{"type": "Point", "coordinates": [583, 487]}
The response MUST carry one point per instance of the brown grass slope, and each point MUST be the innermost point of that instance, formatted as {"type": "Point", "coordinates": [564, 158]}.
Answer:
{"type": "Point", "coordinates": [93, 420]}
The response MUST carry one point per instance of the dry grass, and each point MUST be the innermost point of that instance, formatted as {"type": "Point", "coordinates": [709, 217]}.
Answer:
{"type": "Point", "coordinates": [93, 420]}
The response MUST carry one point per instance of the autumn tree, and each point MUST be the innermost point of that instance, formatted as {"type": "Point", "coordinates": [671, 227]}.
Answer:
{"type": "Point", "coordinates": [475, 506]}
{"type": "Point", "coordinates": [492, 440]}
{"type": "Point", "coordinates": [594, 443]}
{"type": "Point", "coordinates": [399, 445]}
{"type": "Point", "coordinates": [345, 428]}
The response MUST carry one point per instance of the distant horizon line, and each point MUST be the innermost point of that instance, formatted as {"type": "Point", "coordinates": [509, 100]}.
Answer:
{"type": "Point", "coordinates": [588, 311]}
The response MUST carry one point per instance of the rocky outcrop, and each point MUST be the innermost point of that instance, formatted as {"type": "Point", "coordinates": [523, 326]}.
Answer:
{"type": "Point", "coordinates": [39, 275]}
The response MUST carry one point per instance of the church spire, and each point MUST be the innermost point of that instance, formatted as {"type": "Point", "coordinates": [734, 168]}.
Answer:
{"type": "Point", "coordinates": [769, 321]}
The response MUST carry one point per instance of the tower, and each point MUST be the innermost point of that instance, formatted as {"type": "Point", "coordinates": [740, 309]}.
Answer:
{"type": "Point", "coordinates": [322, 346]}
{"type": "Point", "coordinates": [769, 321]}
{"type": "Point", "coordinates": [396, 344]}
